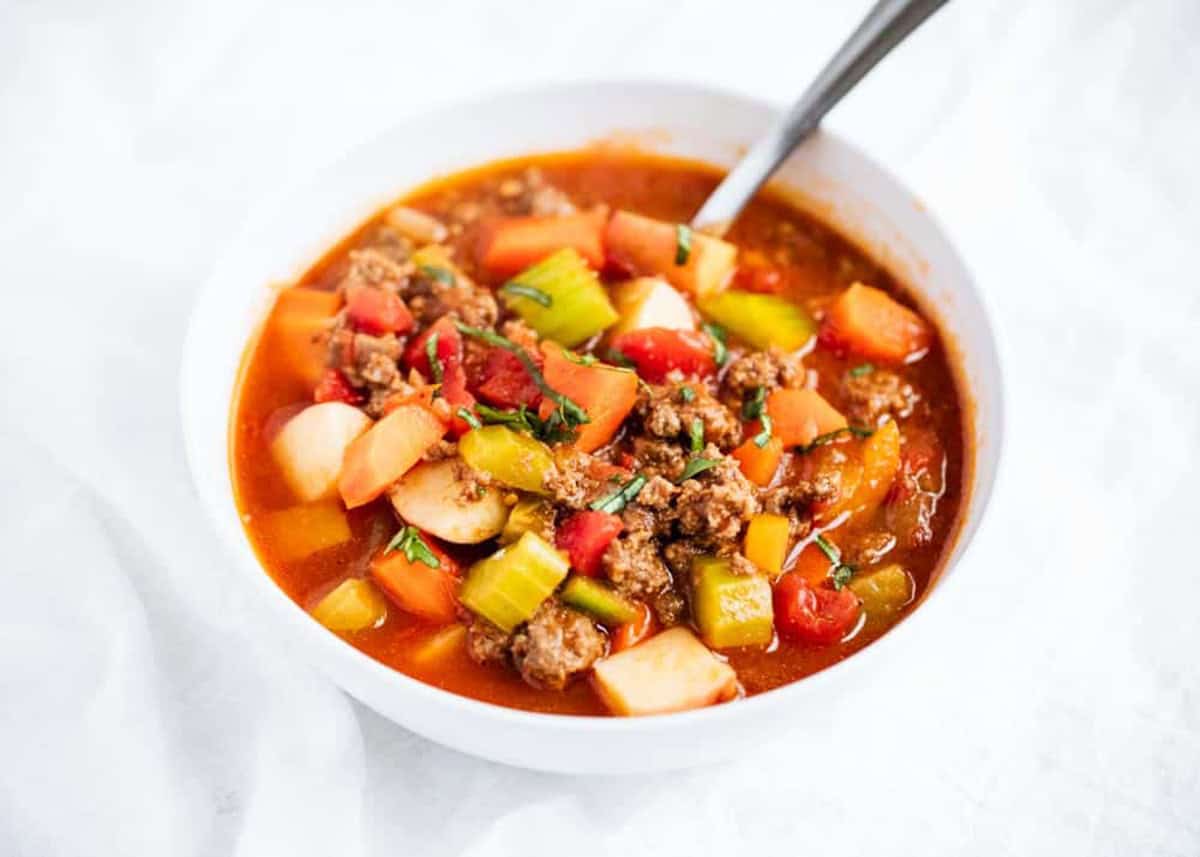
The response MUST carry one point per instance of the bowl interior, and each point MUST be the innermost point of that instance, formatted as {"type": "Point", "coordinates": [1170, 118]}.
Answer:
{"type": "Point", "coordinates": [287, 233]}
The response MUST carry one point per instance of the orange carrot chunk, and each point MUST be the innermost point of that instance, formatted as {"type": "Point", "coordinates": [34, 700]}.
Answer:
{"type": "Point", "coordinates": [799, 416]}
{"type": "Point", "coordinates": [869, 322]}
{"type": "Point", "coordinates": [418, 588]}
{"type": "Point", "coordinates": [385, 453]}
{"type": "Point", "coordinates": [691, 261]}
{"type": "Point", "coordinates": [606, 393]}
{"type": "Point", "coordinates": [511, 244]}
{"type": "Point", "coordinates": [759, 463]}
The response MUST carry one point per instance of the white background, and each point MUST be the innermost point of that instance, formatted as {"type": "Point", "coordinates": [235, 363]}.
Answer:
{"type": "Point", "coordinates": [1055, 710]}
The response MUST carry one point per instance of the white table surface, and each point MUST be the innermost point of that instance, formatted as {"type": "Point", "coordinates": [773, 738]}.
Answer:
{"type": "Point", "coordinates": [1056, 710]}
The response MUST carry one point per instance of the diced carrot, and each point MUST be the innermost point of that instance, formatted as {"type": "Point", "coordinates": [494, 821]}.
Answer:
{"type": "Point", "coordinates": [800, 416]}
{"type": "Point", "coordinates": [430, 593]}
{"type": "Point", "coordinates": [699, 263]}
{"type": "Point", "coordinates": [606, 393]}
{"type": "Point", "coordinates": [511, 244]}
{"type": "Point", "coordinates": [759, 464]}
{"type": "Point", "coordinates": [294, 329]}
{"type": "Point", "coordinates": [385, 453]}
{"type": "Point", "coordinates": [631, 633]}
{"type": "Point", "coordinates": [869, 322]}
{"type": "Point", "coordinates": [812, 565]}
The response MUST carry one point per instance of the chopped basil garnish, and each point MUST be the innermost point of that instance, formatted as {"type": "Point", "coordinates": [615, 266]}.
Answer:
{"type": "Point", "coordinates": [617, 500]}
{"type": "Point", "coordinates": [695, 467]}
{"type": "Point", "coordinates": [764, 437]}
{"type": "Point", "coordinates": [435, 363]}
{"type": "Point", "coordinates": [619, 358]}
{"type": "Point", "coordinates": [533, 293]}
{"type": "Point", "coordinates": [720, 351]}
{"type": "Point", "coordinates": [581, 359]}
{"type": "Point", "coordinates": [686, 394]}
{"type": "Point", "coordinates": [862, 369]}
{"type": "Point", "coordinates": [434, 272]}
{"type": "Point", "coordinates": [567, 415]}
{"type": "Point", "coordinates": [469, 418]}
{"type": "Point", "coordinates": [839, 572]}
{"type": "Point", "coordinates": [683, 244]}
{"type": "Point", "coordinates": [756, 405]}
{"type": "Point", "coordinates": [550, 430]}
{"type": "Point", "coordinates": [697, 434]}
{"type": "Point", "coordinates": [410, 543]}
{"type": "Point", "coordinates": [829, 437]}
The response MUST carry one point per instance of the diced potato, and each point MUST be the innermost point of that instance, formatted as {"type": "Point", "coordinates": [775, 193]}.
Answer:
{"type": "Point", "coordinates": [692, 261]}
{"type": "Point", "coordinates": [731, 609]}
{"type": "Point", "coordinates": [672, 671]}
{"type": "Point", "coordinates": [416, 225]}
{"type": "Point", "coordinates": [435, 497]}
{"type": "Point", "coordinates": [354, 605]}
{"type": "Point", "coordinates": [300, 531]}
{"type": "Point", "coordinates": [378, 458]}
{"type": "Point", "coordinates": [651, 302]}
{"type": "Point", "coordinates": [885, 591]}
{"type": "Point", "coordinates": [311, 445]}
{"type": "Point", "coordinates": [441, 644]}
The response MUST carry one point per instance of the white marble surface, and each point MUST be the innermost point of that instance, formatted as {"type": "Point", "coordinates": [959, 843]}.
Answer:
{"type": "Point", "coordinates": [1057, 711]}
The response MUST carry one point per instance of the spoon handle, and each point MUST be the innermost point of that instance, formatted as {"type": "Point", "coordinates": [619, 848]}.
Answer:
{"type": "Point", "coordinates": [884, 27]}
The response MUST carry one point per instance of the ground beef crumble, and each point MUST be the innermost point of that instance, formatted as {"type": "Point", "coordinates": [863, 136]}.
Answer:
{"type": "Point", "coordinates": [713, 506]}
{"type": "Point", "coordinates": [770, 369]}
{"type": "Point", "coordinates": [555, 645]}
{"type": "Point", "coordinates": [487, 644]}
{"type": "Point", "coordinates": [665, 414]}
{"type": "Point", "coordinates": [869, 397]}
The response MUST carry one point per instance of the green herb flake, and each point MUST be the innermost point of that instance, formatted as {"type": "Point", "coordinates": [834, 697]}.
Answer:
{"type": "Point", "coordinates": [523, 291]}
{"type": "Point", "coordinates": [755, 405]}
{"type": "Point", "coordinates": [695, 467]}
{"type": "Point", "coordinates": [687, 394]}
{"type": "Point", "coordinates": [862, 369]}
{"type": "Point", "coordinates": [697, 434]}
{"type": "Point", "coordinates": [617, 500]}
{"type": "Point", "coordinates": [683, 244]}
{"type": "Point", "coordinates": [839, 572]}
{"type": "Point", "coordinates": [441, 275]}
{"type": "Point", "coordinates": [468, 418]}
{"type": "Point", "coordinates": [830, 437]}
{"type": "Point", "coordinates": [581, 359]}
{"type": "Point", "coordinates": [619, 358]}
{"type": "Point", "coordinates": [568, 415]}
{"type": "Point", "coordinates": [841, 575]}
{"type": "Point", "coordinates": [764, 437]}
{"type": "Point", "coordinates": [409, 542]}
{"type": "Point", "coordinates": [435, 362]}
{"type": "Point", "coordinates": [717, 333]}
{"type": "Point", "coordinates": [827, 548]}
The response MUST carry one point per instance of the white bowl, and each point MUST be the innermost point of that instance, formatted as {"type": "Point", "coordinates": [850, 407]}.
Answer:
{"type": "Point", "coordinates": [287, 234]}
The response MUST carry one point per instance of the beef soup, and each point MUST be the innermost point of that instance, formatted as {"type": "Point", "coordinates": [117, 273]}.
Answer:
{"type": "Point", "coordinates": [527, 437]}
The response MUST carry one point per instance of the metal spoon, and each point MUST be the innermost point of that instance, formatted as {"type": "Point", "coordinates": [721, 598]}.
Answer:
{"type": "Point", "coordinates": [884, 27]}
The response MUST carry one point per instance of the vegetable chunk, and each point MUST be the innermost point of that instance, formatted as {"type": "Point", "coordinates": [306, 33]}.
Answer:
{"type": "Point", "coordinates": [651, 302]}
{"type": "Point", "coordinates": [294, 329]}
{"type": "Point", "coordinates": [561, 298]}
{"type": "Point", "coordinates": [509, 244]}
{"type": "Point", "coordinates": [692, 261]}
{"type": "Point", "coordinates": [311, 445]}
{"type": "Point", "coordinates": [672, 671]}
{"type": "Point", "coordinates": [870, 322]}
{"type": "Point", "coordinates": [436, 497]}
{"type": "Point", "coordinates": [606, 393]}
{"type": "Point", "coordinates": [761, 320]}
{"type": "Point", "coordinates": [515, 459]}
{"type": "Point", "coordinates": [731, 609]}
{"type": "Point", "coordinates": [508, 587]}
{"type": "Point", "coordinates": [800, 416]}
{"type": "Point", "coordinates": [417, 587]}
{"type": "Point", "coordinates": [354, 605]}
{"type": "Point", "coordinates": [301, 531]}
{"type": "Point", "coordinates": [386, 452]}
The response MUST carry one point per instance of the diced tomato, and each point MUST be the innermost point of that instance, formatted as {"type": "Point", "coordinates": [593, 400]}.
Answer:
{"type": "Point", "coordinates": [631, 633]}
{"type": "Point", "coordinates": [817, 615]}
{"type": "Point", "coordinates": [606, 393]}
{"type": "Point", "coordinates": [430, 593]}
{"type": "Point", "coordinates": [377, 311]}
{"type": "Point", "coordinates": [812, 565]}
{"type": "Point", "coordinates": [449, 348]}
{"type": "Point", "coordinates": [585, 536]}
{"type": "Point", "coordinates": [333, 387]}
{"type": "Point", "coordinates": [659, 350]}
{"type": "Point", "coordinates": [756, 274]}
{"type": "Point", "coordinates": [871, 323]}
{"type": "Point", "coordinates": [505, 381]}
{"type": "Point", "coordinates": [508, 245]}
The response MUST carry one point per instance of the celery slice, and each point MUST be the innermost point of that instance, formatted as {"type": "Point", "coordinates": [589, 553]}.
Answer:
{"type": "Point", "coordinates": [602, 602]}
{"type": "Point", "coordinates": [508, 587]}
{"type": "Point", "coordinates": [529, 515]}
{"type": "Point", "coordinates": [353, 606]}
{"type": "Point", "coordinates": [884, 591]}
{"type": "Point", "coordinates": [515, 459]}
{"type": "Point", "coordinates": [561, 298]}
{"type": "Point", "coordinates": [730, 609]}
{"type": "Point", "coordinates": [761, 320]}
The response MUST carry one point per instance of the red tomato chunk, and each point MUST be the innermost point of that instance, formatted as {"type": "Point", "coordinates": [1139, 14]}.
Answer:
{"type": "Point", "coordinates": [813, 614]}
{"type": "Point", "coordinates": [585, 536]}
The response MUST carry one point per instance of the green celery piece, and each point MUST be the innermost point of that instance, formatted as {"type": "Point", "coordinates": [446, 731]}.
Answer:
{"type": "Point", "coordinates": [730, 609]}
{"type": "Point", "coordinates": [883, 591]}
{"type": "Point", "coordinates": [602, 602]}
{"type": "Point", "coordinates": [761, 320]}
{"type": "Point", "coordinates": [579, 306]}
{"type": "Point", "coordinates": [508, 587]}
{"type": "Point", "coordinates": [515, 459]}
{"type": "Point", "coordinates": [530, 514]}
